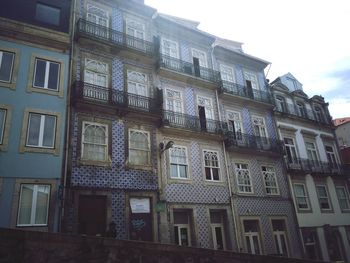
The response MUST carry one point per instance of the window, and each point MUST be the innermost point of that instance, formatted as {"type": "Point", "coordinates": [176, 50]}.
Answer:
{"type": "Point", "coordinates": [343, 197]}
{"type": "Point", "coordinates": [6, 66]}
{"type": "Point", "coordinates": [301, 110]}
{"type": "Point", "coordinates": [46, 74]}
{"type": "Point", "coordinates": [97, 15]}
{"type": "Point", "coordinates": [3, 113]}
{"type": "Point", "coordinates": [332, 160]}
{"type": "Point", "coordinates": [135, 29]}
{"type": "Point", "coordinates": [139, 147]}
{"type": "Point", "coordinates": [311, 152]}
{"type": "Point", "coordinates": [201, 56]}
{"type": "Point", "coordinates": [301, 197]}
{"type": "Point", "coordinates": [323, 198]}
{"type": "Point", "coordinates": [182, 230]}
{"type": "Point", "coordinates": [251, 80]}
{"type": "Point", "coordinates": [33, 205]}
{"type": "Point", "coordinates": [170, 48]}
{"type": "Point", "coordinates": [259, 126]}
{"type": "Point", "coordinates": [137, 83]}
{"type": "Point", "coordinates": [281, 104]}
{"type": "Point", "coordinates": [244, 182]}
{"type": "Point", "coordinates": [291, 151]}
{"type": "Point", "coordinates": [173, 100]}
{"type": "Point", "coordinates": [280, 236]}
{"type": "Point", "coordinates": [311, 243]}
{"type": "Point", "coordinates": [96, 73]}
{"type": "Point", "coordinates": [227, 73]}
{"type": "Point", "coordinates": [252, 236]}
{"type": "Point", "coordinates": [235, 124]}
{"type": "Point", "coordinates": [211, 165]}
{"type": "Point", "coordinates": [178, 162]}
{"type": "Point", "coordinates": [217, 229]}
{"type": "Point", "coordinates": [48, 14]}
{"type": "Point", "coordinates": [318, 114]}
{"type": "Point", "coordinates": [270, 180]}
{"type": "Point", "coordinates": [207, 104]}
{"type": "Point", "coordinates": [41, 130]}
{"type": "Point", "coordinates": [94, 142]}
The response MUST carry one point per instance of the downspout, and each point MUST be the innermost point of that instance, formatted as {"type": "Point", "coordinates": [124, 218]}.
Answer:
{"type": "Point", "coordinates": [226, 165]}
{"type": "Point", "coordinates": [67, 137]}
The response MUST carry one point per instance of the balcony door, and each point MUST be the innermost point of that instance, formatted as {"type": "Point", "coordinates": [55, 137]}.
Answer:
{"type": "Point", "coordinates": [138, 89]}
{"type": "Point", "coordinates": [291, 151]}
{"type": "Point", "coordinates": [259, 129]}
{"type": "Point", "coordinates": [136, 31]}
{"type": "Point", "coordinates": [98, 21]}
{"type": "Point", "coordinates": [96, 77]}
{"type": "Point", "coordinates": [171, 57]}
{"type": "Point", "coordinates": [205, 112]}
{"type": "Point", "coordinates": [251, 82]}
{"type": "Point", "coordinates": [235, 125]}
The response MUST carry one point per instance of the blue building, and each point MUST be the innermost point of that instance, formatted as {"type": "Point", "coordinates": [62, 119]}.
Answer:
{"type": "Point", "coordinates": [34, 70]}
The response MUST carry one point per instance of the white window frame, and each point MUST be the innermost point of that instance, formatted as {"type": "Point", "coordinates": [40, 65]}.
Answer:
{"type": "Point", "coordinates": [172, 42]}
{"type": "Point", "coordinates": [138, 149]}
{"type": "Point", "coordinates": [138, 84]}
{"type": "Point", "coordinates": [275, 188]}
{"type": "Point", "coordinates": [289, 148]}
{"type": "Point", "coordinates": [304, 196]}
{"type": "Point", "coordinates": [96, 71]}
{"type": "Point", "coordinates": [202, 64]}
{"type": "Point", "coordinates": [105, 126]}
{"type": "Point", "coordinates": [3, 126]}
{"type": "Point", "coordinates": [346, 199]}
{"type": "Point", "coordinates": [212, 152]}
{"type": "Point", "coordinates": [262, 127]}
{"type": "Point", "coordinates": [253, 78]}
{"type": "Point", "coordinates": [281, 103]}
{"type": "Point", "coordinates": [34, 205]}
{"type": "Point", "coordinates": [12, 64]}
{"type": "Point", "coordinates": [177, 164]}
{"type": "Point", "coordinates": [238, 177]}
{"type": "Point", "coordinates": [231, 116]}
{"type": "Point", "coordinates": [331, 156]}
{"type": "Point", "coordinates": [41, 131]}
{"type": "Point", "coordinates": [324, 197]}
{"type": "Point", "coordinates": [89, 5]}
{"type": "Point", "coordinates": [174, 100]}
{"type": "Point", "coordinates": [279, 234]}
{"type": "Point", "coordinates": [183, 226]}
{"type": "Point", "coordinates": [213, 226]}
{"type": "Point", "coordinates": [223, 71]}
{"type": "Point", "coordinates": [47, 72]}
{"type": "Point", "coordinates": [251, 236]}
{"type": "Point", "coordinates": [129, 21]}
{"type": "Point", "coordinates": [209, 109]}
{"type": "Point", "coordinates": [311, 152]}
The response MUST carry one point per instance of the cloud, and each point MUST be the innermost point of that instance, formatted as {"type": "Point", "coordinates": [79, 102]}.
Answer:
{"type": "Point", "coordinates": [339, 107]}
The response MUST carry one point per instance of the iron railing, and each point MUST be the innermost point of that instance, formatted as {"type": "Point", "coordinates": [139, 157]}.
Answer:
{"type": "Point", "coordinates": [304, 113]}
{"type": "Point", "coordinates": [188, 68]}
{"type": "Point", "coordinates": [116, 37]}
{"type": "Point", "coordinates": [240, 140]}
{"type": "Point", "coordinates": [90, 93]}
{"type": "Point", "coordinates": [313, 166]}
{"type": "Point", "coordinates": [193, 123]}
{"type": "Point", "coordinates": [243, 91]}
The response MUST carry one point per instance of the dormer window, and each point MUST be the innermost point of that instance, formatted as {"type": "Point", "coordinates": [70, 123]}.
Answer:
{"type": "Point", "coordinates": [318, 114]}
{"type": "Point", "coordinates": [281, 104]}
{"type": "Point", "coordinates": [301, 110]}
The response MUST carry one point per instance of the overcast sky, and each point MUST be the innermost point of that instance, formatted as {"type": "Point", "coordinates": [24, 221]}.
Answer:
{"type": "Point", "coordinates": [309, 38]}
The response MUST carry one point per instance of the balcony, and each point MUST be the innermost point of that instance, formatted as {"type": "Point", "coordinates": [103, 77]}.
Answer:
{"type": "Point", "coordinates": [292, 110]}
{"type": "Point", "coordinates": [243, 91]}
{"type": "Point", "coordinates": [239, 141]}
{"type": "Point", "coordinates": [188, 68]}
{"type": "Point", "coordinates": [111, 98]}
{"type": "Point", "coordinates": [299, 165]}
{"type": "Point", "coordinates": [114, 37]}
{"type": "Point", "coordinates": [193, 123]}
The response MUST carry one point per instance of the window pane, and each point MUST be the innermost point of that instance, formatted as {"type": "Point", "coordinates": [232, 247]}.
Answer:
{"type": "Point", "coordinates": [53, 76]}
{"type": "Point", "coordinates": [42, 204]}
{"type": "Point", "coordinates": [183, 172]}
{"type": "Point", "coordinates": [34, 129]}
{"type": "Point", "coordinates": [47, 14]}
{"type": "Point", "coordinates": [49, 131]}
{"type": "Point", "coordinates": [6, 66]}
{"type": "Point", "coordinates": [2, 123]}
{"type": "Point", "coordinates": [39, 78]}
{"type": "Point", "coordinates": [25, 206]}
{"type": "Point", "coordinates": [173, 170]}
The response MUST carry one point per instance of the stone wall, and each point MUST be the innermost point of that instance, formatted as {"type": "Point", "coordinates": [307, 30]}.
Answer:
{"type": "Point", "coordinates": [28, 246]}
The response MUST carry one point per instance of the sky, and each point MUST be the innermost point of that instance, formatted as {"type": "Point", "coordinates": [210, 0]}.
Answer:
{"type": "Point", "coordinates": [308, 38]}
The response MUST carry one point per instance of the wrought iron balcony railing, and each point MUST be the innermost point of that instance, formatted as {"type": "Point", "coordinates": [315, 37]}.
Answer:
{"type": "Point", "coordinates": [240, 140]}
{"type": "Point", "coordinates": [292, 109]}
{"type": "Point", "coordinates": [243, 91]}
{"type": "Point", "coordinates": [313, 166]}
{"type": "Point", "coordinates": [94, 94]}
{"type": "Point", "coordinates": [193, 123]}
{"type": "Point", "coordinates": [115, 37]}
{"type": "Point", "coordinates": [188, 68]}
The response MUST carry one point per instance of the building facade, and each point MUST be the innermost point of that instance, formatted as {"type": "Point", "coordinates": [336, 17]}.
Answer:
{"type": "Point", "coordinates": [316, 177]}
{"type": "Point", "coordinates": [34, 72]}
{"type": "Point", "coordinates": [172, 137]}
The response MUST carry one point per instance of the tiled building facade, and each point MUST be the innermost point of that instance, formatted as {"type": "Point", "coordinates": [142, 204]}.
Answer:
{"type": "Point", "coordinates": [317, 180]}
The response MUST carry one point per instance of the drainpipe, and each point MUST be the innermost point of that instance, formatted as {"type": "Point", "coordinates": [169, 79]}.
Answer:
{"type": "Point", "coordinates": [227, 170]}
{"type": "Point", "coordinates": [67, 137]}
